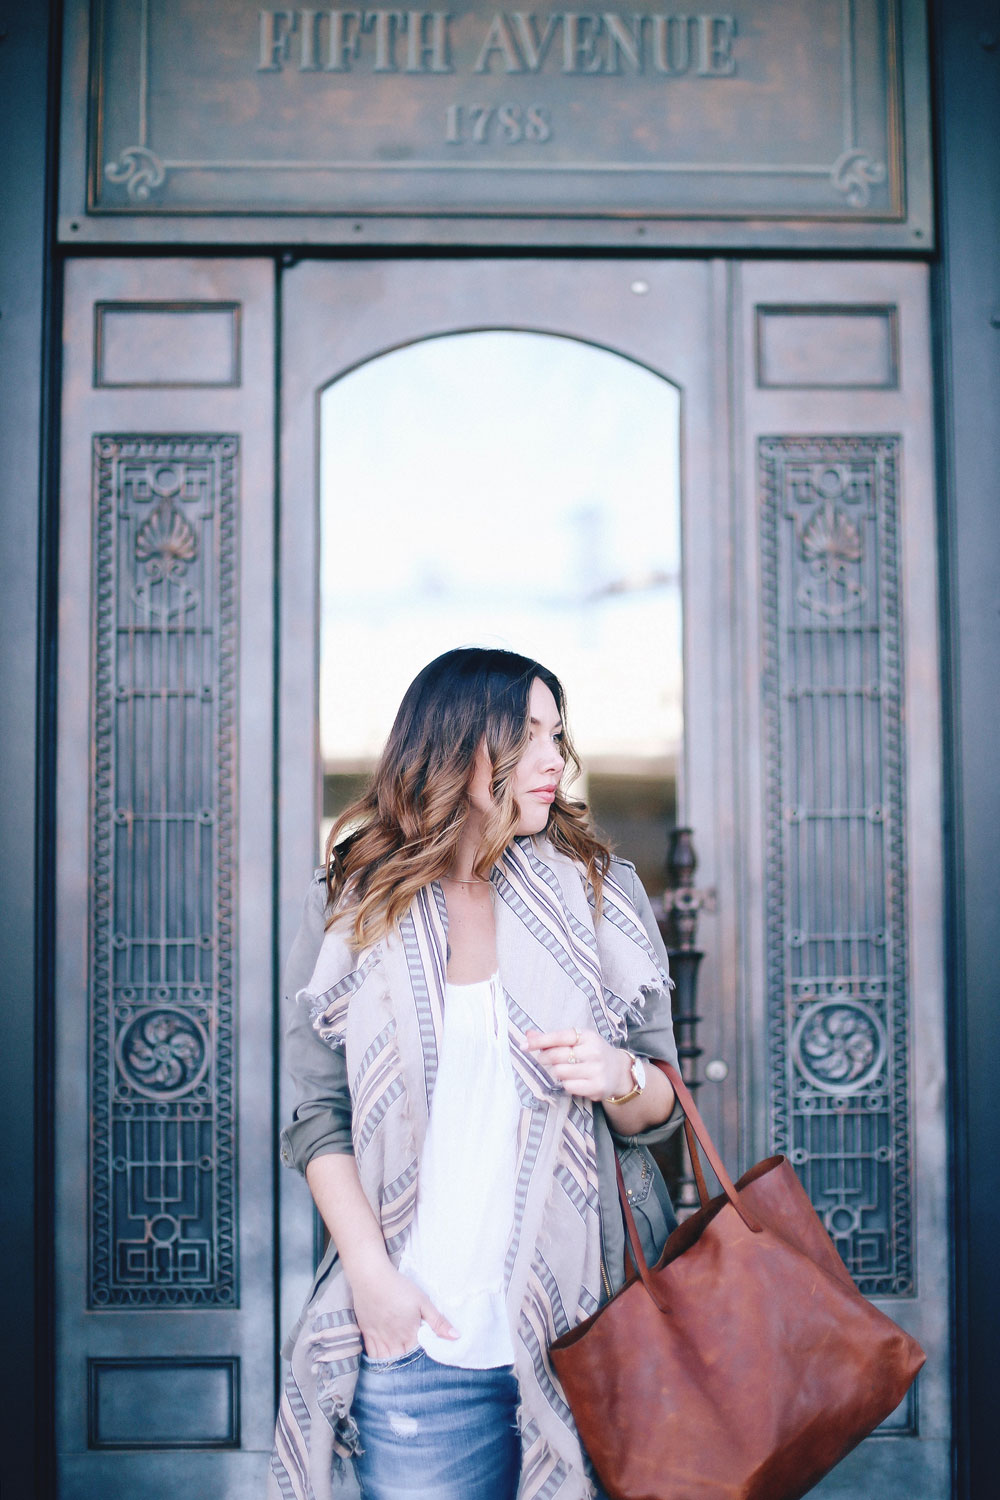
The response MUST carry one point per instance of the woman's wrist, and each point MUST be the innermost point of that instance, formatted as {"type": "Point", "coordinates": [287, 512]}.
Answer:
{"type": "Point", "coordinates": [623, 1079]}
{"type": "Point", "coordinates": [368, 1266]}
{"type": "Point", "coordinates": [337, 1191]}
{"type": "Point", "coordinates": [645, 1109]}
{"type": "Point", "coordinates": [633, 1082]}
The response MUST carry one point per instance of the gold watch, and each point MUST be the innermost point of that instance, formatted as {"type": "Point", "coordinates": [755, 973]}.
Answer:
{"type": "Point", "coordinates": [638, 1071]}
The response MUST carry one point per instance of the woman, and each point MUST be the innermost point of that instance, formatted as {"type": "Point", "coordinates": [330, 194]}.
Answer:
{"type": "Point", "coordinates": [470, 1039]}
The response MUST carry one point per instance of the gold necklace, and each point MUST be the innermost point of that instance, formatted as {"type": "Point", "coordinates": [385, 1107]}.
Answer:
{"type": "Point", "coordinates": [454, 880]}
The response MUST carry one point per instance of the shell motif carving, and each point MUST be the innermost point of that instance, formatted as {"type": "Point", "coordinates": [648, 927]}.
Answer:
{"type": "Point", "coordinates": [163, 1053]}
{"type": "Point", "coordinates": [166, 542]}
{"type": "Point", "coordinates": [830, 543]}
{"type": "Point", "coordinates": [831, 537]}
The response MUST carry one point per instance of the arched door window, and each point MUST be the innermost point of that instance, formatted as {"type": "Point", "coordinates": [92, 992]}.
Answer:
{"type": "Point", "coordinates": [519, 490]}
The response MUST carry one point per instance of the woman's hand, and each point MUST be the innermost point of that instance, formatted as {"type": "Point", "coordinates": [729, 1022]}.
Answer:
{"type": "Point", "coordinates": [584, 1063]}
{"type": "Point", "coordinates": [390, 1308]}
{"type": "Point", "coordinates": [587, 1065]}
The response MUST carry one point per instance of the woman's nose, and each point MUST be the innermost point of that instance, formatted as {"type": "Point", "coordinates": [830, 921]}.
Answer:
{"type": "Point", "coordinates": [553, 758]}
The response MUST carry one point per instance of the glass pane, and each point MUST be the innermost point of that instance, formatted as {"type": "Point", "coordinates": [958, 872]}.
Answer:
{"type": "Point", "coordinates": [518, 490]}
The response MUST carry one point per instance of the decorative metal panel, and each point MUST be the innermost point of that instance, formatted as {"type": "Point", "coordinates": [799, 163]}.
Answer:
{"type": "Point", "coordinates": [839, 1086]}
{"type": "Point", "coordinates": [163, 1230]}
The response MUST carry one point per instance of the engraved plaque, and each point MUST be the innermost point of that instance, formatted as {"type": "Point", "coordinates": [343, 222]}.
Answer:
{"type": "Point", "coordinates": [780, 110]}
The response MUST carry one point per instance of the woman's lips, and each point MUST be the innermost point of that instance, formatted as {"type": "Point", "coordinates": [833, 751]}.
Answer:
{"type": "Point", "coordinates": [544, 793]}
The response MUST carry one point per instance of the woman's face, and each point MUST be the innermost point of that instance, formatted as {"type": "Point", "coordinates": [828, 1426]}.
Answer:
{"type": "Point", "coordinates": [537, 773]}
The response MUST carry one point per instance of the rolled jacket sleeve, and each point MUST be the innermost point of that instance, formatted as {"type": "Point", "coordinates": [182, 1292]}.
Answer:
{"type": "Point", "coordinates": [321, 1118]}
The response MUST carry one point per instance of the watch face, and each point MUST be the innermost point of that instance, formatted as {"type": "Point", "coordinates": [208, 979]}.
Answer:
{"type": "Point", "coordinates": [639, 1073]}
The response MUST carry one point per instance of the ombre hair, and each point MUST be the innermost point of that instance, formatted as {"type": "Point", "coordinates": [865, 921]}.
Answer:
{"type": "Point", "coordinates": [404, 831]}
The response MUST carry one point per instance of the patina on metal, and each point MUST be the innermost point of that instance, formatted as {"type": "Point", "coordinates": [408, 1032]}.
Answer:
{"type": "Point", "coordinates": [163, 1158]}
{"type": "Point", "coordinates": [781, 112]}
{"type": "Point", "coordinates": [838, 985]}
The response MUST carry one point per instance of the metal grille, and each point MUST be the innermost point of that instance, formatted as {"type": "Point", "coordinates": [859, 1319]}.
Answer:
{"type": "Point", "coordinates": [836, 939]}
{"type": "Point", "coordinates": [163, 1231]}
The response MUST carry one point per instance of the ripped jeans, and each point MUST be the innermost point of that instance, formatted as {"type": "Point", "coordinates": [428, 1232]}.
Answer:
{"type": "Point", "coordinates": [436, 1432]}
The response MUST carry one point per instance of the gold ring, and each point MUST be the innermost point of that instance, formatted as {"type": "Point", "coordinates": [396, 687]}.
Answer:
{"type": "Point", "coordinates": [572, 1056]}
{"type": "Point", "coordinates": [578, 1037]}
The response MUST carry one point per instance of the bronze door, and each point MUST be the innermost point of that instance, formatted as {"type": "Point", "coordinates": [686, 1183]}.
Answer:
{"type": "Point", "coordinates": [807, 760]}
{"type": "Point", "coordinates": [783, 410]}
{"type": "Point", "coordinates": [164, 1136]}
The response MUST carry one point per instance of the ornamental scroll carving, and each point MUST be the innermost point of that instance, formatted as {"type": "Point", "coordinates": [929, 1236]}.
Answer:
{"type": "Point", "coordinates": [163, 849]}
{"type": "Point", "coordinates": [139, 170]}
{"type": "Point", "coordinates": [838, 1005]}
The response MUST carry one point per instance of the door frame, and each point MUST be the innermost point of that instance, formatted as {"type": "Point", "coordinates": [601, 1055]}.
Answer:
{"type": "Point", "coordinates": [965, 371]}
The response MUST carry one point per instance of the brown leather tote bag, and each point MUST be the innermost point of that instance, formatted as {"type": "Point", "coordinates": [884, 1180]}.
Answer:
{"type": "Point", "coordinates": [745, 1364]}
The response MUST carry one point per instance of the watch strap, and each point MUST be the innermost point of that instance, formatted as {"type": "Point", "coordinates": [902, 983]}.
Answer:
{"type": "Point", "coordinates": [633, 1091]}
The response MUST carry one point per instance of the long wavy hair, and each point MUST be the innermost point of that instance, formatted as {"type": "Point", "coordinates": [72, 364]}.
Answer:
{"type": "Point", "coordinates": [405, 829]}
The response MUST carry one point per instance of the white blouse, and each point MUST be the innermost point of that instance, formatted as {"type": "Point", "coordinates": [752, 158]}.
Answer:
{"type": "Point", "coordinates": [465, 1200]}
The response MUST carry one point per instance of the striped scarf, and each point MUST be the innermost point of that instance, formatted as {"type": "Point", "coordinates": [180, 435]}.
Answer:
{"type": "Point", "coordinates": [385, 1006]}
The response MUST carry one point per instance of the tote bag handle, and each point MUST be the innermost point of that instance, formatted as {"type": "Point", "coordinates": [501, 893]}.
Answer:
{"type": "Point", "coordinates": [697, 1135]}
